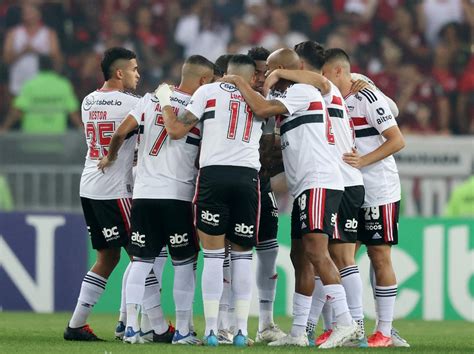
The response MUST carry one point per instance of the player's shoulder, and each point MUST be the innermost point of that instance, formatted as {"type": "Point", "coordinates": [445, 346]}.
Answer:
{"type": "Point", "coordinates": [369, 96]}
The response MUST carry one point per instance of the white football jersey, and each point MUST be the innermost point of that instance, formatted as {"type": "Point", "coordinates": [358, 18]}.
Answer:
{"type": "Point", "coordinates": [343, 130]}
{"type": "Point", "coordinates": [308, 147]}
{"type": "Point", "coordinates": [231, 133]}
{"type": "Point", "coordinates": [102, 112]}
{"type": "Point", "coordinates": [165, 167]}
{"type": "Point", "coordinates": [371, 115]}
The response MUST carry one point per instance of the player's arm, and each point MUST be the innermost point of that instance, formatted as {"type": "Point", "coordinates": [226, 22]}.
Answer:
{"type": "Point", "coordinates": [300, 76]}
{"type": "Point", "coordinates": [176, 126]}
{"type": "Point", "coordinates": [258, 104]}
{"type": "Point", "coordinates": [394, 143]}
{"type": "Point", "coordinates": [379, 116]}
{"type": "Point", "coordinates": [127, 126]}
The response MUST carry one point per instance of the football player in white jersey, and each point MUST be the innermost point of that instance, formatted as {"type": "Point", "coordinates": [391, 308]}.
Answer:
{"type": "Point", "coordinates": [161, 210]}
{"type": "Point", "coordinates": [105, 198]}
{"type": "Point", "coordinates": [267, 247]}
{"type": "Point", "coordinates": [227, 191]}
{"type": "Point", "coordinates": [377, 139]}
{"type": "Point", "coordinates": [342, 242]}
{"type": "Point", "coordinates": [316, 183]}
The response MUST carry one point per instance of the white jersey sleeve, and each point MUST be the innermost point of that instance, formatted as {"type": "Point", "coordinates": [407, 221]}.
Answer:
{"type": "Point", "coordinates": [379, 114]}
{"type": "Point", "coordinates": [197, 104]}
{"type": "Point", "coordinates": [295, 99]}
{"type": "Point", "coordinates": [139, 109]}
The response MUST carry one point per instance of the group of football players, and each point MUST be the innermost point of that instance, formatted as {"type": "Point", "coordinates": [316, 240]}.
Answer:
{"type": "Point", "coordinates": [206, 150]}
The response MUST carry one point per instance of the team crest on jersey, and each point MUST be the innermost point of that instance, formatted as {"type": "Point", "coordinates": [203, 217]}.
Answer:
{"type": "Point", "coordinates": [228, 87]}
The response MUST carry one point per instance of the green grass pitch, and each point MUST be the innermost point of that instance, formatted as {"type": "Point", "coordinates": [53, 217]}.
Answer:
{"type": "Point", "coordinates": [42, 333]}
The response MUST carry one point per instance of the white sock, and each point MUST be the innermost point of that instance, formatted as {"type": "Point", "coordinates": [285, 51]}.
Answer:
{"type": "Point", "coordinates": [336, 295]}
{"type": "Point", "coordinates": [159, 265]}
{"type": "Point", "coordinates": [301, 308]}
{"type": "Point", "coordinates": [385, 304]}
{"type": "Point", "coordinates": [211, 284]}
{"type": "Point", "coordinates": [191, 319]}
{"type": "Point", "coordinates": [183, 292]}
{"type": "Point", "coordinates": [352, 283]}
{"type": "Point", "coordinates": [145, 325]}
{"type": "Point", "coordinates": [267, 252]}
{"type": "Point", "coordinates": [152, 305]}
{"type": "Point", "coordinates": [224, 304]}
{"type": "Point", "coordinates": [92, 288]}
{"type": "Point", "coordinates": [135, 290]}
{"type": "Point", "coordinates": [317, 303]}
{"type": "Point", "coordinates": [242, 281]}
{"type": "Point", "coordinates": [327, 316]}
{"type": "Point", "coordinates": [123, 303]}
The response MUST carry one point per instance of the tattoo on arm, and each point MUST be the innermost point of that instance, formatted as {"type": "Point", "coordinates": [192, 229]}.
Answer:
{"type": "Point", "coordinates": [187, 118]}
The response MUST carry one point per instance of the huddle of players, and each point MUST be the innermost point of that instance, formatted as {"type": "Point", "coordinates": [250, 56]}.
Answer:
{"type": "Point", "coordinates": [321, 166]}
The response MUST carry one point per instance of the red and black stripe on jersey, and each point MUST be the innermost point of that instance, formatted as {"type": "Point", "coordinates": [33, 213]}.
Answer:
{"type": "Point", "coordinates": [305, 118]}
{"type": "Point", "coordinates": [210, 110]}
{"type": "Point", "coordinates": [336, 112]}
{"type": "Point", "coordinates": [362, 128]}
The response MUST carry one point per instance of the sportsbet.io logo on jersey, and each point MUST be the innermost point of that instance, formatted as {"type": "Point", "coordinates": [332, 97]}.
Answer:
{"type": "Point", "coordinates": [89, 101]}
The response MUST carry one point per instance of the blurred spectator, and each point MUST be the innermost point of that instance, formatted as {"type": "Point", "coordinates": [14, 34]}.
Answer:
{"type": "Point", "coordinates": [386, 39]}
{"type": "Point", "coordinates": [404, 33]}
{"type": "Point", "coordinates": [424, 106]}
{"type": "Point", "coordinates": [44, 103]}
{"type": "Point", "coordinates": [434, 14]}
{"type": "Point", "coordinates": [200, 32]}
{"type": "Point", "coordinates": [242, 38]}
{"type": "Point", "coordinates": [461, 203]}
{"type": "Point", "coordinates": [24, 43]}
{"type": "Point", "coordinates": [280, 34]}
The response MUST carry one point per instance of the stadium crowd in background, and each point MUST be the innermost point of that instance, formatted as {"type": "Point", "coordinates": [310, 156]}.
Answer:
{"type": "Point", "coordinates": [419, 52]}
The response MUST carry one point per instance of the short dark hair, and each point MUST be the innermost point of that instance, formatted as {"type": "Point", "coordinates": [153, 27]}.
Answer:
{"type": "Point", "coordinates": [200, 60]}
{"type": "Point", "coordinates": [258, 53]}
{"type": "Point", "coordinates": [312, 52]}
{"type": "Point", "coordinates": [220, 67]}
{"type": "Point", "coordinates": [45, 63]}
{"type": "Point", "coordinates": [242, 59]}
{"type": "Point", "coordinates": [111, 55]}
{"type": "Point", "coordinates": [336, 54]}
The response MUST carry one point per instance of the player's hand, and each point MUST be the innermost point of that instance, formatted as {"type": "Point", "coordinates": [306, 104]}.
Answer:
{"type": "Point", "coordinates": [359, 85]}
{"type": "Point", "coordinates": [271, 81]}
{"type": "Point", "coordinates": [231, 79]}
{"type": "Point", "coordinates": [104, 162]}
{"type": "Point", "coordinates": [354, 159]}
{"type": "Point", "coordinates": [163, 93]}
